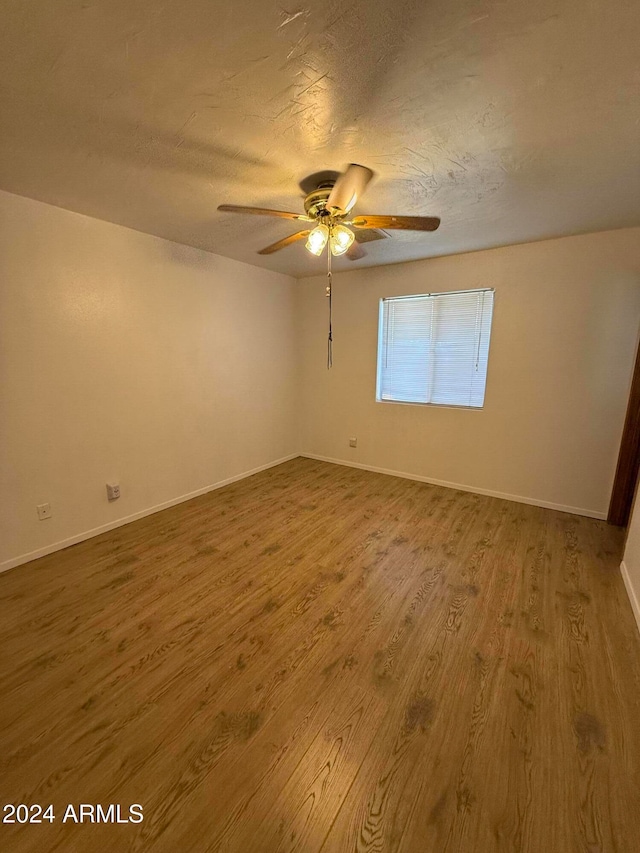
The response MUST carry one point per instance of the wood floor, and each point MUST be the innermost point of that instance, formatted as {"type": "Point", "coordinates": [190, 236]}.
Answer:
{"type": "Point", "coordinates": [324, 659]}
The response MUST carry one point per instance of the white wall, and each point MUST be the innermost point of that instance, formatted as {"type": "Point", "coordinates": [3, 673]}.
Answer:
{"type": "Point", "coordinates": [124, 356]}
{"type": "Point", "coordinates": [564, 334]}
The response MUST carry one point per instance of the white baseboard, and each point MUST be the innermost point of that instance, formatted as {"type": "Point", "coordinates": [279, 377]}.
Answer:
{"type": "Point", "coordinates": [574, 510]}
{"type": "Point", "coordinates": [633, 598]}
{"type": "Point", "coordinates": [111, 525]}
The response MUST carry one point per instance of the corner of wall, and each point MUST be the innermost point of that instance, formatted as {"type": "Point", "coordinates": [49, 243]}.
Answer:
{"type": "Point", "coordinates": [633, 598]}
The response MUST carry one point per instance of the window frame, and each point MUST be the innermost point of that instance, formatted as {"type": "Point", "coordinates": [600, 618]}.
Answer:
{"type": "Point", "coordinates": [381, 323]}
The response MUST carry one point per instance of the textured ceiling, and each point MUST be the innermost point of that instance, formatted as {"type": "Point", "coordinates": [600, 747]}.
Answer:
{"type": "Point", "coordinates": [510, 120]}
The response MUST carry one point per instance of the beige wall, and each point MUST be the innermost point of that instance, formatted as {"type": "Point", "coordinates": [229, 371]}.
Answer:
{"type": "Point", "coordinates": [565, 328]}
{"type": "Point", "coordinates": [631, 561]}
{"type": "Point", "coordinates": [124, 356]}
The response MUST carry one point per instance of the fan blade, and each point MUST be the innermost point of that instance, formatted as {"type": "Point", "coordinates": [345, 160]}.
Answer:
{"type": "Point", "coordinates": [367, 235]}
{"type": "Point", "coordinates": [281, 244]}
{"type": "Point", "coordinates": [404, 223]}
{"type": "Point", "coordinates": [263, 211]}
{"type": "Point", "coordinates": [348, 189]}
{"type": "Point", "coordinates": [355, 252]}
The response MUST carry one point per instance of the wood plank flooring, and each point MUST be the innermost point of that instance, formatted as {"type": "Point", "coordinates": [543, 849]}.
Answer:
{"type": "Point", "coordinates": [324, 659]}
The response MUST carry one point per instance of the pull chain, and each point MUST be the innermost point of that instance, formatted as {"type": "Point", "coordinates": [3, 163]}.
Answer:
{"type": "Point", "coordinates": [329, 294]}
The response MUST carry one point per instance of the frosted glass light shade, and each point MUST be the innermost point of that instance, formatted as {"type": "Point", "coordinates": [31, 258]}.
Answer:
{"type": "Point", "coordinates": [317, 239]}
{"type": "Point", "coordinates": [340, 240]}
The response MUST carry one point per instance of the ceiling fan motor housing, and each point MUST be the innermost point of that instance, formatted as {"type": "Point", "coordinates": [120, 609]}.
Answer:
{"type": "Point", "coordinates": [315, 203]}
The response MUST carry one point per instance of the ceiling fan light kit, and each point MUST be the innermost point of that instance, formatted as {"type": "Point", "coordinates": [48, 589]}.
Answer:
{"type": "Point", "coordinates": [339, 238]}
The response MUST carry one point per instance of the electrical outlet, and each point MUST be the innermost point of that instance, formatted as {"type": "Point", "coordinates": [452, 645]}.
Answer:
{"type": "Point", "coordinates": [353, 442]}
{"type": "Point", "coordinates": [44, 511]}
{"type": "Point", "coordinates": [113, 491]}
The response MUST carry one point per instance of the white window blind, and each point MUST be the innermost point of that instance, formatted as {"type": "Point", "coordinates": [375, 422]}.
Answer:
{"type": "Point", "coordinates": [435, 348]}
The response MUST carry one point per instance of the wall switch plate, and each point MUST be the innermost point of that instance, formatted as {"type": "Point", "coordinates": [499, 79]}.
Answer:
{"type": "Point", "coordinates": [44, 511]}
{"type": "Point", "coordinates": [353, 442]}
{"type": "Point", "coordinates": [113, 491]}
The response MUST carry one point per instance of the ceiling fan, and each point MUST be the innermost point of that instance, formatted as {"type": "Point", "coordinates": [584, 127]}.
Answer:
{"type": "Point", "coordinates": [329, 200]}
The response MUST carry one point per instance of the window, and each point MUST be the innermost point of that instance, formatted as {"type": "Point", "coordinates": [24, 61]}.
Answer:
{"type": "Point", "coordinates": [434, 348]}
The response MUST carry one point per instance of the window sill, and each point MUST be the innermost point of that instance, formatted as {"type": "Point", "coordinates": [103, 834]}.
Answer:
{"type": "Point", "coordinates": [431, 405]}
